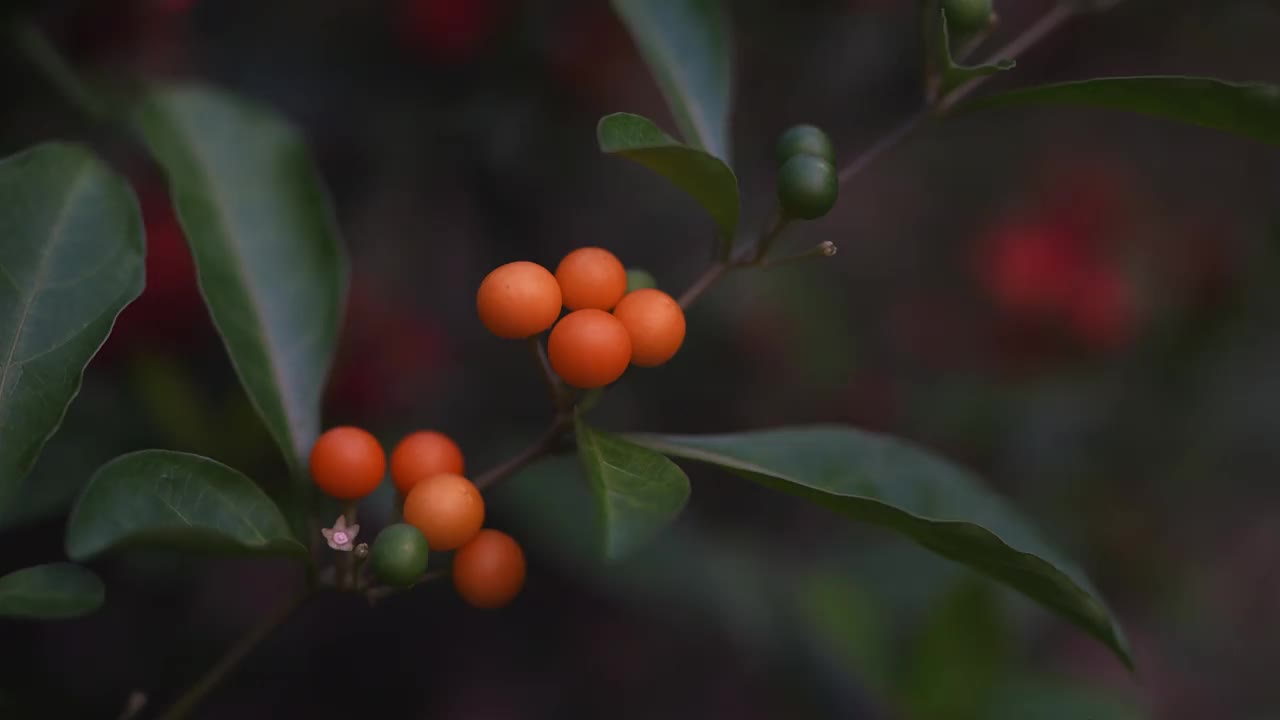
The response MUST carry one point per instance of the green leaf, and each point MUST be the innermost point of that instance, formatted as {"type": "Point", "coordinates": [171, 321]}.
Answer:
{"type": "Point", "coordinates": [160, 498]}
{"type": "Point", "coordinates": [266, 246]}
{"type": "Point", "coordinates": [704, 177]}
{"type": "Point", "coordinates": [1248, 109]}
{"type": "Point", "coordinates": [952, 74]}
{"type": "Point", "coordinates": [686, 45]}
{"type": "Point", "coordinates": [71, 258]}
{"type": "Point", "coordinates": [50, 592]}
{"type": "Point", "coordinates": [892, 483]}
{"type": "Point", "coordinates": [638, 492]}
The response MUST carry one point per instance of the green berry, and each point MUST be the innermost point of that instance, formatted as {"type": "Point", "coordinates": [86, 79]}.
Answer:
{"type": "Point", "coordinates": [805, 140]}
{"type": "Point", "coordinates": [966, 17]}
{"type": "Point", "coordinates": [399, 555]}
{"type": "Point", "coordinates": [638, 279]}
{"type": "Point", "coordinates": [807, 187]}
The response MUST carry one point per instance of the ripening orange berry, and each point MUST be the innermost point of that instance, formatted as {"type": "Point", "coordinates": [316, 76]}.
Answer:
{"type": "Point", "coordinates": [589, 348]}
{"type": "Point", "coordinates": [347, 463]}
{"type": "Point", "coordinates": [655, 323]}
{"type": "Point", "coordinates": [488, 572]}
{"type": "Point", "coordinates": [518, 300]}
{"type": "Point", "coordinates": [591, 277]}
{"type": "Point", "coordinates": [421, 455]}
{"type": "Point", "coordinates": [447, 509]}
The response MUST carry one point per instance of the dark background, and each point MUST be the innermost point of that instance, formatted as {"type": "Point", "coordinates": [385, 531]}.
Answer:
{"type": "Point", "coordinates": [1083, 306]}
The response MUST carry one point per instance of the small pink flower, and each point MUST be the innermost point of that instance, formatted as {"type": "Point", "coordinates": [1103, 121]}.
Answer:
{"type": "Point", "coordinates": [340, 536]}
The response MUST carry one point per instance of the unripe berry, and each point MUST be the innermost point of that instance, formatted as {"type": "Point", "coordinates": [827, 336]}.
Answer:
{"type": "Point", "coordinates": [638, 279]}
{"type": "Point", "coordinates": [805, 140]}
{"type": "Point", "coordinates": [399, 555]}
{"type": "Point", "coordinates": [966, 17]}
{"type": "Point", "coordinates": [807, 187]}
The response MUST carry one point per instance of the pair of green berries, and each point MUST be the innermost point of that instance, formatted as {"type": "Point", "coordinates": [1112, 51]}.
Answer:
{"type": "Point", "coordinates": [808, 183]}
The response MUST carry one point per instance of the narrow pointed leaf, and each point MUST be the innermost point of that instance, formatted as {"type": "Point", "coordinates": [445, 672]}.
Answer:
{"type": "Point", "coordinates": [638, 491]}
{"type": "Point", "coordinates": [266, 246]}
{"type": "Point", "coordinates": [704, 177]}
{"type": "Point", "coordinates": [888, 482]}
{"type": "Point", "coordinates": [71, 258]}
{"type": "Point", "coordinates": [174, 500]}
{"type": "Point", "coordinates": [686, 45]}
{"type": "Point", "coordinates": [50, 592]}
{"type": "Point", "coordinates": [1248, 109]}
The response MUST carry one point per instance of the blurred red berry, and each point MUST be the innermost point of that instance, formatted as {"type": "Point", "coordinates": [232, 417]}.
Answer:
{"type": "Point", "coordinates": [170, 314]}
{"type": "Point", "coordinates": [451, 31]}
{"type": "Point", "coordinates": [1102, 313]}
{"type": "Point", "coordinates": [1047, 278]}
{"type": "Point", "coordinates": [389, 356]}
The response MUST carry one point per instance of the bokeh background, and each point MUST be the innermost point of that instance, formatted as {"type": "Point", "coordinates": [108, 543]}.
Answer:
{"type": "Point", "coordinates": [1083, 306]}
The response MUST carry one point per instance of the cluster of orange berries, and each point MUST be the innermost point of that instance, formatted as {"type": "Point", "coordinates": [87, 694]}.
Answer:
{"type": "Point", "coordinates": [443, 510]}
{"type": "Point", "coordinates": [590, 347]}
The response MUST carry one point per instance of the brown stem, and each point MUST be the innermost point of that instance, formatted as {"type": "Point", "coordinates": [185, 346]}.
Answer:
{"type": "Point", "coordinates": [777, 223]}
{"type": "Point", "coordinates": [560, 395]}
{"type": "Point", "coordinates": [702, 284]}
{"type": "Point", "coordinates": [539, 447]}
{"type": "Point", "coordinates": [228, 662]}
{"type": "Point", "coordinates": [1027, 39]}
{"type": "Point", "coordinates": [1024, 41]}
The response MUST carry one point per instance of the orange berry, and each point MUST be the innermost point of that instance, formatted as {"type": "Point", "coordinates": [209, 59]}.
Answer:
{"type": "Point", "coordinates": [655, 323]}
{"type": "Point", "coordinates": [421, 455]}
{"type": "Point", "coordinates": [488, 572]}
{"type": "Point", "coordinates": [589, 348]}
{"type": "Point", "coordinates": [518, 300]}
{"type": "Point", "coordinates": [591, 277]}
{"type": "Point", "coordinates": [347, 463]}
{"type": "Point", "coordinates": [447, 509]}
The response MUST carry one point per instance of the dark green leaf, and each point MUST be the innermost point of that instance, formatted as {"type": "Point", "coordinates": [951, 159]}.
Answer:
{"type": "Point", "coordinates": [1248, 109]}
{"type": "Point", "coordinates": [169, 499]}
{"type": "Point", "coordinates": [686, 45]}
{"type": "Point", "coordinates": [892, 483]}
{"type": "Point", "coordinates": [952, 74]}
{"type": "Point", "coordinates": [702, 176]}
{"type": "Point", "coordinates": [638, 492]}
{"type": "Point", "coordinates": [50, 592]}
{"type": "Point", "coordinates": [266, 246]}
{"type": "Point", "coordinates": [71, 258]}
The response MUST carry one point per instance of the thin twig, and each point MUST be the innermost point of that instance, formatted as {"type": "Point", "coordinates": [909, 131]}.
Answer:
{"type": "Point", "coordinates": [895, 137]}
{"type": "Point", "coordinates": [1033, 35]}
{"type": "Point", "coordinates": [560, 395]}
{"type": "Point", "coordinates": [45, 57]}
{"type": "Point", "coordinates": [228, 662]}
{"type": "Point", "coordinates": [825, 248]}
{"type": "Point", "coordinates": [1025, 40]}
{"type": "Point", "coordinates": [541, 446]}
{"type": "Point", "coordinates": [776, 224]}
{"type": "Point", "coordinates": [917, 121]}
{"type": "Point", "coordinates": [379, 592]}
{"type": "Point", "coordinates": [704, 281]}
